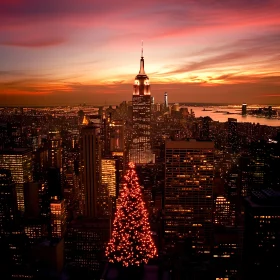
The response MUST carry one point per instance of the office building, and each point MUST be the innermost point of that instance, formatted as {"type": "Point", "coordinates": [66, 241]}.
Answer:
{"type": "Point", "coordinates": [140, 150]}
{"type": "Point", "coordinates": [116, 136]}
{"type": "Point", "coordinates": [32, 200]}
{"type": "Point", "coordinates": [85, 244]}
{"type": "Point", "coordinates": [188, 194]}
{"type": "Point", "coordinates": [54, 183]}
{"type": "Point", "coordinates": [223, 212]}
{"type": "Point", "coordinates": [244, 109]}
{"type": "Point", "coordinates": [262, 235]}
{"type": "Point", "coordinates": [108, 175]}
{"type": "Point", "coordinates": [19, 162]}
{"type": "Point", "coordinates": [58, 219]}
{"type": "Point", "coordinates": [90, 166]}
{"type": "Point", "coordinates": [55, 152]}
{"type": "Point", "coordinates": [36, 230]}
{"type": "Point", "coordinates": [8, 200]}
{"type": "Point", "coordinates": [232, 134]}
{"type": "Point", "coordinates": [165, 100]}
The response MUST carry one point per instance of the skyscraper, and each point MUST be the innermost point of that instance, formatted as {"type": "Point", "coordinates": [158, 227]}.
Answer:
{"type": "Point", "coordinates": [19, 161]}
{"type": "Point", "coordinates": [188, 197]}
{"type": "Point", "coordinates": [90, 161]}
{"type": "Point", "coordinates": [232, 134]}
{"type": "Point", "coordinates": [244, 109]}
{"type": "Point", "coordinates": [108, 175]}
{"type": "Point", "coordinates": [262, 235]}
{"type": "Point", "coordinates": [165, 100]}
{"type": "Point", "coordinates": [8, 202]}
{"type": "Point", "coordinates": [58, 218]}
{"type": "Point", "coordinates": [55, 152]}
{"type": "Point", "coordinates": [140, 151]}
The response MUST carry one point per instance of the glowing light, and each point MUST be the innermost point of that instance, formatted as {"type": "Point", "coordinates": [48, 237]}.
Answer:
{"type": "Point", "coordinates": [131, 242]}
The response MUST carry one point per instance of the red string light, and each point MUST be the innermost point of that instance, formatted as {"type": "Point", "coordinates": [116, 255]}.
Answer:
{"type": "Point", "coordinates": [131, 242]}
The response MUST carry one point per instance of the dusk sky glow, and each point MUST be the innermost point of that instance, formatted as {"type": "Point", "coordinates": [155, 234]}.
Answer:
{"type": "Point", "coordinates": [68, 52]}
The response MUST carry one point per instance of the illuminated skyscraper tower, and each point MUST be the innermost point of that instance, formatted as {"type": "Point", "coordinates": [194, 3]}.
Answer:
{"type": "Point", "coordinates": [140, 151]}
{"type": "Point", "coordinates": [165, 100]}
{"type": "Point", "coordinates": [19, 162]}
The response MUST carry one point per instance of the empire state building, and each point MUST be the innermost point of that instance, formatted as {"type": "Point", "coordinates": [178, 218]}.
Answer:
{"type": "Point", "coordinates": [140, 151]}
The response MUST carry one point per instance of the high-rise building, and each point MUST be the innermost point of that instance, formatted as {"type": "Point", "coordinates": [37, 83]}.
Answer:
{"type": "Point", "coordinates": [90, 164]}
{"type": "Point", "coordinates": [58, 218]}
{"type": "Point", "coordinates": [8, 200]}
{"type": "Point", "coordinates": [244, 109]}
{"type": "Point", "coordinates": [258, 165]}
{"type": "Point", "coordinates": [116, 136]}
{"type": "Point", "coordinates": [232, 134]}
{"type": "Point", "coordinates": [35, 230]}
{"type": "Point", "coordinates": [31, 200]}
{"type": "Point", "coordinates": [54, 183]}
{"type": "Point", "coordinates": [19, 162]}
{"type": "Point", "coordinates": [140, 151]}
{"type": "Point", "coordinates": [262, 235]}
{"type": "Point", "coordinates": [223, 214]}
{"type": "Point", "coordinates": [85, 244]}
{"type": "Point", "coordinates": [55, 152]}
{"type": "Point", "coordinates": [188, 196]}
{"type": "Point", "coordinates": [108, 175]}
{"type": "Point", "coordinates": [165, 101]}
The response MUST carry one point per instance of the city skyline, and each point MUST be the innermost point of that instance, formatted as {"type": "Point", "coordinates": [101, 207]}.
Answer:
{"type": "Point", "coordinates": [75, 52]}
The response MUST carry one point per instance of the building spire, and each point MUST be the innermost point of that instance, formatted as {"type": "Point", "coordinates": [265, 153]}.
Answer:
{"type": "Point", "coordinates": [142, 71]}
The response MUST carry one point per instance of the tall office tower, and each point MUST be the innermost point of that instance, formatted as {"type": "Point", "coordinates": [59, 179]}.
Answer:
{"type": "Point", "coordinates": [188, 196]}
{"type": "Point", "coordinates": [165, 101]}
{"type": "Point", "coordinates": [58, 218]}
{"type": "Point", "coordinates": [8, 200]}
{"type": "Point", "coordinates": [244, 109]}
{"type": "Point", "coordinates": [40, 163]}
{"type": "Point", "coordinates": [36, 230]}
{"type": "Point", "coordinates": [232, 134]}
{"type": "Point", "coordinates": [71, 194]}
{"type": "Point", "coordinates": [14, 131]}
{"type": "Point", "coordinates": [85, 244]}
{"type": "Point", "coordinates": [140, 151]}
{"type": "Point", "coordinates": [116, 136]}
{"type": "Point", "coordinates": [262, 235]}
{"type": "Point", "coordinates": [258, 165]}
{"type": "Point", "coordinates": [54, 183]}
{"type": "Point", "coordinates": [119, 158]}
{"type": "Point", "coordinates": [19, 161]}
{"type": "Point", "coordinates": [226, 254]}
{"type": "Point", "coordinates": [90, 165]}
{"type": "Point", "coordinates": [244, 166]}
{"type": "Point", "coordinates": [55, 152]}
{"type": "Point", "coordinates": [108, 175]}
{"type": "Point", "coordinates": [31, 200]}
{"type": "Point", "coordinates": [223, 214]}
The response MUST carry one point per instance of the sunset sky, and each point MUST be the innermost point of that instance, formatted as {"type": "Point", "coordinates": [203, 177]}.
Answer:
{"type": "Point", "coordinates": [58, 52]}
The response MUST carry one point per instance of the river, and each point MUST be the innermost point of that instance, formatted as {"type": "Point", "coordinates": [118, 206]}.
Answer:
{"type": "Point", "coordinates": [233, 113]}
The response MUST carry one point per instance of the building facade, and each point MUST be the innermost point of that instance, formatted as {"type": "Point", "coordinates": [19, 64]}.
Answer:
{"type": "Point", "coordinates": [19, 162]}
{"type": "Point", "coordinates": [188, 194]}
{"type": "Point", "coordinates": [140, 150]}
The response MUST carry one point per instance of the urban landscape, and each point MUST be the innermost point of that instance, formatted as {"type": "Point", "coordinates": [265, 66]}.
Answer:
{"type": "Point", "coordinates": [211, 192]}
{"type": "Point", "coordinates": [104, 178]}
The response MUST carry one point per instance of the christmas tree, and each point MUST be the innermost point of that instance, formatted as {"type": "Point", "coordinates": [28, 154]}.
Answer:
{"type": "Point", "coordinates": [131, 243]}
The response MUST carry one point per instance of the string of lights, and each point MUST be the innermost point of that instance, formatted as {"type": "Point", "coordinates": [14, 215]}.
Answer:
{"type": "Point", "coordinates": [131, 242]}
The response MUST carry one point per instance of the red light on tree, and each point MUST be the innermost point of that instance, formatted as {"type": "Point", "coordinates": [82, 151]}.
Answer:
{"type": "Point", "coordinates": [131, 243]}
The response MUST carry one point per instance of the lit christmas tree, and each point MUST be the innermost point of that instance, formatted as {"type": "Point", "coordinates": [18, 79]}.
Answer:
{"type": "Point", "coordinates": [131, 243]}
